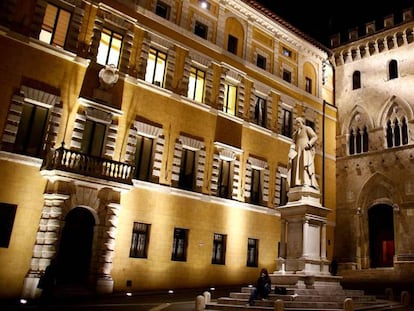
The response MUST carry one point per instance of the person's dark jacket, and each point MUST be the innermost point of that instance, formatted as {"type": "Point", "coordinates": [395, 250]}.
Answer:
{"type": "Point", "coordinates": [264, 286]}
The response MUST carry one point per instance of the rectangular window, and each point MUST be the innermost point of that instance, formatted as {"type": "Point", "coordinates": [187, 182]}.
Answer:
{"type": "Point", "coordinates": [93, 138]}
{"type": "Point", "coordinates": [144, 158]}
{"type": "Point", "coordinates": [187, 169]}
{"type": "Point", "coordinates": [225, 181]}
{"type": "Point", "coordinates": [180, 241]}
{"type": "Point", "coordinates": [261, 61]}
{"type": "Point", "coordinates": [256, 187]}
{"type": "Point", "coordinates": [283, 198]}
{"type": "Point", "coordinates": [156, 65]}
{"type": "Point", "coordinates": [232, 44]}
{"type": "Point", "coordinates": [252, 252]}
{"type": "Point", "coordinates": [140, 240]}
{"type": "Point", "coordinates": [162, 9]}
{"type": "Point", "coordinates": [196, 84]}
{"type": "Point", "coordinates": [230, 99]}
{"type": "Point", "coordinates": [260, 111]}
{"type": "Point", "coordinates": [109, 50]}
{"type": "Point", "coordinates": [219, 249]}
{"type": "Point", "coordinates": [201, 30]}
{"type": "Point", "coordinates": [287, 123]}
{"type": "Point", "coordinates": [7, 214]}
{"type": "Point", "coordinates": [308, 85]}
{"type": "Point", "coordinates": [287, 75]}
{"type": "Point", "coordinates": [55, 26]}
{"type": "Point", "coordinates": [32, 128]}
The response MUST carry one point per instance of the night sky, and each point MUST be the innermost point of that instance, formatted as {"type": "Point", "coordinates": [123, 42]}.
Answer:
{"type": "Point", "coordinates": [321, 20]}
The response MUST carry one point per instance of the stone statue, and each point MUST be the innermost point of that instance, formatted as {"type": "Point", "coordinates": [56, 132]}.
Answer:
{"type": "Point", "coordinates": [301, 166]}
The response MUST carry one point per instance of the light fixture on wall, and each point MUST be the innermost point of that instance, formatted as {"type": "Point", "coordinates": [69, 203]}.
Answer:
{"type": "Point", "coordinates": [203, 4]}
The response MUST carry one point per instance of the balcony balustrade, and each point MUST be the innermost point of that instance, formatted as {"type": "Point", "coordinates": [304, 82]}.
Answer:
{"type": "Point", "coordinates": [80, 163]}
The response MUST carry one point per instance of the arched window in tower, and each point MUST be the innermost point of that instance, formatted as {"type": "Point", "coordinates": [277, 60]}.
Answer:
{"type": "Point", "coordinates": [393, 69]}
{"type": "Point", "coordinates": [356, 80]}
{"type": "Point", "coordinates": [397, 136]}
{"type": "Point", "coordinates": [358, 135]}
{"type": "Point", "coordinates": [397, 132]}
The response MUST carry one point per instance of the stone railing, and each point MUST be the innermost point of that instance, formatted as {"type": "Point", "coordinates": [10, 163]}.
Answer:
{"type": "Point", "coordinates": [80, 163]}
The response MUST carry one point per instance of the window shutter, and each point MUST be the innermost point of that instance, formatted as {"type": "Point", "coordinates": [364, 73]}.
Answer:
{"type": "Point", "coordinates": [159, 149]}
{"type": "Point", "coordinates": [215, 174]}
{"type": "Point", "coordinates": [201, 161]}
{"type": "Point", "coordinates": [266, 177]}
{"type": "Point", "coordinates": [248, 181]}
{"type": "Point", "coordinates": [236, 179]}
{"type": "Point", "coordinates": [178, 151]}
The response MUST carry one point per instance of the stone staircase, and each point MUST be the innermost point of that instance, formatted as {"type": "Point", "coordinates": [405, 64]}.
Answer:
{"type": "Point", "coordinates": [305, 299]}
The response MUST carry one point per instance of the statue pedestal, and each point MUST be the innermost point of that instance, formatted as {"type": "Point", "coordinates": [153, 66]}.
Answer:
{"type": "Point", "coordinates": [303, 234]}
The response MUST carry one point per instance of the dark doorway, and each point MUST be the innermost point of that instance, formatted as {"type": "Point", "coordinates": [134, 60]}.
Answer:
{"type": "Point", "coordinates": [76, 247]}
{"type": "Point", "coordinates": [381, 235]}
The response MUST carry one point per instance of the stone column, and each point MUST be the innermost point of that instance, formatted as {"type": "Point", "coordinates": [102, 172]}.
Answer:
{"type": "Point", "coordinates": [305, 238]}
{"type": "Point", "coordinates": [283, 239]}
{"type": "Point", "coordinates": [105, 282]}
{"type": "Point", "coordinates": [323, 242]}
{"type": "Point", "coordinates": [367, 52]}
{"type": "Point", "coordinates": [45, 246]}
{"type": "Point", "coordinates": [376, 47]}
{"type": "Point", "coordinates": [395, 41]}
{"type": "Point", "coordinates": [386, 47]}
{"type": "Point", "coordinates": [404, 36]}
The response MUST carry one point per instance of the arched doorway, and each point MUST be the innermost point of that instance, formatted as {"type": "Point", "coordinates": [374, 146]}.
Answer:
{"type": "Point", "coordinates": [75, 249]}
{"type": "Point", "coordinates": [381, 235]}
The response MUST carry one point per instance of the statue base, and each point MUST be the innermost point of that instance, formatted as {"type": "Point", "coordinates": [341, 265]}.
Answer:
{"type": "Point", "coordinates": [304, 195]}
{"type": "Point", "coordinates": [303, 238]}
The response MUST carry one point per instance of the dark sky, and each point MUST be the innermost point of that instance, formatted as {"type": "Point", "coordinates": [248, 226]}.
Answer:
{"type": "Point", "coordinates": [321, 19]}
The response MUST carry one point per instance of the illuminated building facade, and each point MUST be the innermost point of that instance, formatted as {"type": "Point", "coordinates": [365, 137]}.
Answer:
{"type": "Point", "coordinates": [374, 74]}
{"type": "Point", "coordinates": [144, 143]}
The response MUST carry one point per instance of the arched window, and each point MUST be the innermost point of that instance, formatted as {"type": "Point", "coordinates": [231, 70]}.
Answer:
{"type": "Point", "coordinates": [356, 80]}
{"type": "Point", "coordinates": [393, 69]}
{"type": "Point", "coordinates": [397, 132]}
{"type": "Point", "coordinates": [358, 140]}
{"type": "Point", "coordinates": [397, 136]}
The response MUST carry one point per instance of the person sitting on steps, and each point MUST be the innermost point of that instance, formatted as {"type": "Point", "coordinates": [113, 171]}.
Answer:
{"type": "Point", "coordinates": [263, 287]}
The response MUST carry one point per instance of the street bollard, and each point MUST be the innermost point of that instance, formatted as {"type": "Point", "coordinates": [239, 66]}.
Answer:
{"type": "Point", "coordinates": [405, 298]}
{"type": "Point", "coordinates": [348, 304]}
{"type": "Point", "coordinates": [200, 304]}
{"type": "Point", "coordinates": [279, 305]}
{"type": "Point", "coordinates": [389, 294]}
{"type": "Point", "coordinates": [207, 296]}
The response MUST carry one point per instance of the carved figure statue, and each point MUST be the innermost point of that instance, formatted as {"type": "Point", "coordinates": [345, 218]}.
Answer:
{"type": "Point", "coordinates": [301, 166]}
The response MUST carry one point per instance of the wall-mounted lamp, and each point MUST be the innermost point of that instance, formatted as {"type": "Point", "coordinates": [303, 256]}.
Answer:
{"type": "Point", "coordinates": [203, 4]}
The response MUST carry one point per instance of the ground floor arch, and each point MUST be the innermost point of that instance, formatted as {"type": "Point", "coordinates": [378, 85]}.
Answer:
{"type": "Point", "coordinates": [75, 249]}
{"type": "Point", "coordinates": [381, 235]}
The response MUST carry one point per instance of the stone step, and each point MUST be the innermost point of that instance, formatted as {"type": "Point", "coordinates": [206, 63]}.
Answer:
{"type": "Point", "coordinates": [378, 306]}
{"type": "Point", "coordinates": [315, 291]}
{"type": "Point", "coordinates": [300, 302]}
{"type": "Point", "coordinates": [289, 297]}
{"type": "Point", "coordinates": [304, 300]}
